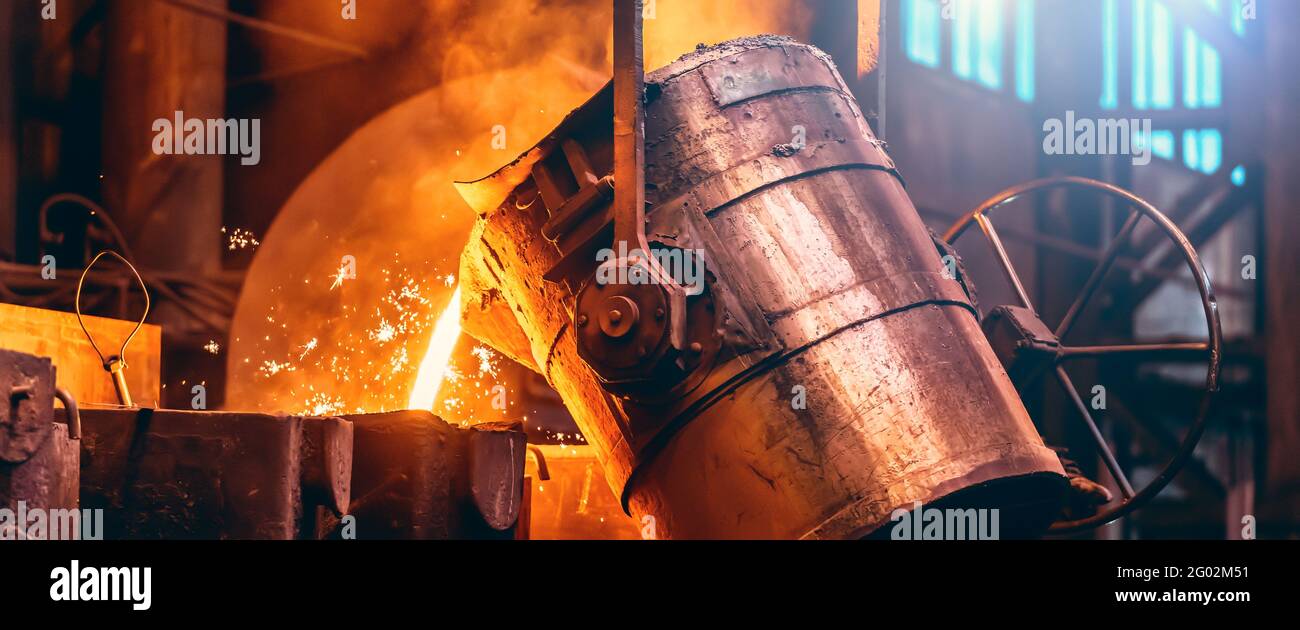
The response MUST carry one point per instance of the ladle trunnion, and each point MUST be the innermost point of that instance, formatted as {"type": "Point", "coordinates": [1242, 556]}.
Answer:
{"type": "Point", "coordinates": [828, 373]}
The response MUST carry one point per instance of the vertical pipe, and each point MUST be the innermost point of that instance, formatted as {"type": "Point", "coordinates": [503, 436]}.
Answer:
{"type": "Point", "coordinates": [8, 137]}
{"type": "Point", "coordinates": [629, 125]}
{"type": "Point", "coordinates": [158, 60]}
{"type": "Point", "coordinates": [1281, 255]}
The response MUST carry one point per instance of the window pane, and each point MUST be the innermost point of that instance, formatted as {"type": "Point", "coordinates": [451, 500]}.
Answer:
{"type": "Point", "coordinates": [1140, 10]}
{"type": "Point", "coordinates": [1025, 50]}
{"type": "Point", "coordinates": [1211, 75]}
{"type": "Point", "coordinates": [921, 31]}
{"type": "Point", "coordinates": [1191, 149]}
{"type": "Point", "coordinates": [1162, 144]}
{"type": "Point", "coordinates": [1191, 69]}
{"type": "Point", "coordinates": [990, 43]}
{"type": "Point", "coordinates": [1162, 55]}
{"type": "Point", "coordinates": [1109, 56]}
{"type": "Point", "coordinates": [1211, 151]}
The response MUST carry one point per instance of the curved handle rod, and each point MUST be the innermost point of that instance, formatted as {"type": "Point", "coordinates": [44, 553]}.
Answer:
{"type": "Point", "coordinates": [116, 364]}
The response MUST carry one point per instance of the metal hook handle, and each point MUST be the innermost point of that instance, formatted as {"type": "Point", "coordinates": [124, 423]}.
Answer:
{"type": "Point", "coordinates": [74, 413]}
{"type": "Point", "coordinates": [115, 365]}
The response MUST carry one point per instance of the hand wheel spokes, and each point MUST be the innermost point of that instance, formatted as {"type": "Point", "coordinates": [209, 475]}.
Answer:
{"type": "Point", "coordinates": [1140, 208]}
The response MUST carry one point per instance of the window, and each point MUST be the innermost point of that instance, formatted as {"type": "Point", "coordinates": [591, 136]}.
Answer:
{"type": "Point", "coordinates": [978, 43]}
{"type": "Point", "coordinates": [1109, 56]}
{"type": "Point", "coordinates": [1161, 142]}
{"type": "Point", "coordinates": [1203, 150]}
{"type": "Point", "coordinates": [1191, 69]}
{"type": "Point", "coordinates": [1153, 71]}
{"type": "Point", "coordinates": [1153, 63]}
{"type": "Point", "coordinates": [1238, 20]}
{"type": "Point", "coordinates": [1025, 50]}
{"type": "Point", "coordinates": [921, 31]}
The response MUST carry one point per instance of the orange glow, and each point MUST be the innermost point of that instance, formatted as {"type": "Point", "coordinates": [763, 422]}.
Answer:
{"type": "Point", "coordinates": [482, 66]}
{"type": "Point", "coordinates": [433, 366]}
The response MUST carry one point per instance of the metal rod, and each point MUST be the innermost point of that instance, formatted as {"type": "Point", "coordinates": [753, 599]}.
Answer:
{"type": "Point", "coordinates": [1082, 251]}
{"type": "Point", "coordinates": [1098, 274]}
{"type": "Point", "coordinates": [1074, 352]}
{"type": "Point", "coordinates": [629, 126]}
{"type": "Point", "coordinates": [271, 27]}
{"type": "Point", "coordinates": [1106, 456]}
{"type": "Point", "coordinates": [882, 72]}
{"type": "Point", "coordinates": [1001, 252]}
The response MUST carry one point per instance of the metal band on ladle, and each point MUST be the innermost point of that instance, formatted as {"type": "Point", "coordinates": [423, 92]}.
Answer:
{"type": "Point", "coordinates": [115, 365]}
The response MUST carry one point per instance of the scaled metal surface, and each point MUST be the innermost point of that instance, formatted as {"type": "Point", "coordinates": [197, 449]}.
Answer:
{"type": "Point", "coordinates": [850, 377]}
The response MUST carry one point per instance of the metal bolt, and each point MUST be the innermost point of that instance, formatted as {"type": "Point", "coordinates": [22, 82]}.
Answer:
{"type": "Point", "coordinates": [582, 320]}
{"type": "Point", "coordinates": [659, 313]}
{"type": "Point", "coordinates": [615, 315]}
{"type": "Point", "coordinates": [696, 348]}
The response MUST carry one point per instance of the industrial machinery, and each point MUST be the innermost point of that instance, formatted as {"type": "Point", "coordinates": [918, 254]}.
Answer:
{"type": "Point", "coordinates": [718, 269]}
{"type": "Point", "coordinates": [827, 365]}
{"type": "Point", "coordinates": [38, 456]}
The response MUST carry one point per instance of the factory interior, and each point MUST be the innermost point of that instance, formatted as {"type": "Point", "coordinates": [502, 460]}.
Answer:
{"type": "Point", "coordinates": [1032, 255]}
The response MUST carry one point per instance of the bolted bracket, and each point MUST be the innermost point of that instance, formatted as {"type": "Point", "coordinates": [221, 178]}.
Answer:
{"type": "Point", "coordinates": [1022, 342]}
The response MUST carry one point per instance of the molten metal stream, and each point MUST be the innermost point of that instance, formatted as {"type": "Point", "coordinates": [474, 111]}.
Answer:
{"type": "Point", "coordinates": [433, 366]}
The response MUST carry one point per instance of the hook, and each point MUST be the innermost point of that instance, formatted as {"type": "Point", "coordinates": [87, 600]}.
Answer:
{"type": "Point", "coordinates": [115, 365]}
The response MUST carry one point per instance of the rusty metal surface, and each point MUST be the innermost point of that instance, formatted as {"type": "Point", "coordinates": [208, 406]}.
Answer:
{"type": "Point", "coordinates": [496, 472]}
{"type": "Point", "coordinates": [27, 414]}
{"type": "Point", "coordinates": [417, 477]}
{"type": "Point", "coordinates": [56, 334]}
{"type": "Point", "coordinates": [828, 284]}
{"type": "Point", "coordinates": [38, 456]}
{"type": "Point", "coordinates": [169, 474]}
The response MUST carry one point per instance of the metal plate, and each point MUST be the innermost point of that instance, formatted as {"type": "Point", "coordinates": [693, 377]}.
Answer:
{"type": "Point", "coordinates": [27, 413]}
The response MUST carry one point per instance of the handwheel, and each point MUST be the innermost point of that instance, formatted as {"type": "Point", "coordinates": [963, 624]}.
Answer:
{"type": "Point", "coordinates": [1041, 350]}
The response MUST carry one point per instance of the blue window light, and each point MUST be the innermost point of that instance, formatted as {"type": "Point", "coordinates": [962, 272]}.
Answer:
{"type": "Point", "coordinates": [1211, 77]}
{"type": "Point", "coordinates": [1211, 151]}
{"type": "Point", "coordinates": [1162, 55]}
{"type": "Point", "coordinates": [1109, 56]}
{"type": "Point", "coordinates": [921, 31]}
{"type": "Point", "coordinates": [1191, 69]}
{"type": "Point", "coordinates": [1239, 175]}
{"type": "Point", "coordinates": [977, 41]}
{"type": "Point", "coordinates": [1162, 144]}
{"type": "Point", "coordinates": [1153, 53]}
{"type": "Point", "coordinates": [1191, 149]}
{"type": "Point", "coordinates": [1025, 50]}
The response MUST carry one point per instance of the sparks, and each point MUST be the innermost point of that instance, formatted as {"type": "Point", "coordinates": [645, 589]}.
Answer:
{"type": "Point", "coordinates": [384, 333]}
{"type": "Point", "coordinates": [307, 347]}
{"type": "Point", "coordinates": [339, 277]}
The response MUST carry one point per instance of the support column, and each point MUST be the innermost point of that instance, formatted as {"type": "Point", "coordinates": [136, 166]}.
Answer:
{"type": "Point", "coordinates": [1282, 255]}
{"type": "Point", "coordinates": [159, 59]}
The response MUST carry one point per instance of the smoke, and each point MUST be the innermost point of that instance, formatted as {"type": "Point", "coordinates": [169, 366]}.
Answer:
{"type": "Point", "coordinates": [503, 75]}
